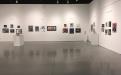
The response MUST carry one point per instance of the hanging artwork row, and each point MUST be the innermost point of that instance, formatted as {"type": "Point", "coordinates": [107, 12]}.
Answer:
{"type": "Point", "coordinates": [71, 29]}
{"type": "Point", "coordinates": [31, 28]}
{"type": "Point", "coordinates": [109, 27]}
{"type": "Point", "coordinates": [11, 29]}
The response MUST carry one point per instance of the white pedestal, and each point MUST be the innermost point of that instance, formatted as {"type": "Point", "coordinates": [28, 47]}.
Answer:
{"type": "Point", "coordinates": [18, 40]}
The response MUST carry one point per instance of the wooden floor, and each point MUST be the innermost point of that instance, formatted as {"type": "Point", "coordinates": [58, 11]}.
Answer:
{"type": "Point", "coordinates": [58, 58]}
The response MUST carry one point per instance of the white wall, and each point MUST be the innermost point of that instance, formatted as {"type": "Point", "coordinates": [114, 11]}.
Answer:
{"type": "Point", "coordinates": [39, 15]}
{"type": "Point", "coordinates": [108, 10]}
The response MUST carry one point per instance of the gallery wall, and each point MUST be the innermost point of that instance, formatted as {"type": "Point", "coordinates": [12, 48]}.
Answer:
{"type": "Point", "coordinates": [107, 11]}
{"type": "Point", "coordinates": [45, 15]}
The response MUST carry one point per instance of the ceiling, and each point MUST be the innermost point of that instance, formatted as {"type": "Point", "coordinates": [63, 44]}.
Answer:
{"type": "Point", "coordinates": [45, 1]}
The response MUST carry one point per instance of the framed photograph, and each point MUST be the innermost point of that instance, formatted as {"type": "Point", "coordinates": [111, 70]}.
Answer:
{"type": "Point", "coordinates": [37, 28]}
{"type": "Point", "coordinates": [78, 30]}
{"type": "Point", "coordinates": [18, 31]}
{"type": "Point", "coordinates": [5, 26]}
{"type": "Point", "coordinates": [71, 24]}
{"type": "Point", "coordinates": [109, 31]}
{"type": "Point", "coordinates": [12, 30]}
{"type": "Point", "coordinates": [51, 28]}
{"type": "Point", "coordinates": [110, 23]}
{"type": "Point", "coordinates": [30, 28]}
{"type": "Point", "coordinates": [65, 30]}
{"type": "Point", "coordinates": [71, 30]}
{"type": "Point", "coordinates": [18, 26]}
{"type": "Point", "coordinates": [65, 25]}
{"type": "Point", "coordinates": [106, 31]}
{"type": "Point", "coordinates": [11, 26]}
{"type": "Point", "coordinates": [114, 27]}
{"type": "Point", "coordinates": [43, 28]}
{"type": "Point", "coordinates": [102, 28]}
{"type": "Point", "coordinates": [5, 30]}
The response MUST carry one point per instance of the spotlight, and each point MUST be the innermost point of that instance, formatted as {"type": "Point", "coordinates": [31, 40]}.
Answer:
{"type": "Point", "coordinates": [57, 1]}
{"type": "Point", "coordinates": [77, 0]}
{"type": "Point", "coordinates": [16, 1]}
{"type": "Point", "coordinates": [67, 1]}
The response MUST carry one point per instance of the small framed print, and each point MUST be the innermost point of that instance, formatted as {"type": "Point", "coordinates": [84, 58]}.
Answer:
{"type": "Point", "coordinates": [18, 26]}
{"type": "Point", "coordinates": [65, 25]}
{"type": "Point", "coordinates": [30, 28]}
{"type": "Point", "coordinates": [37, 28]}
{"type": "Point", "coordinates": [114, 27]}
{"type": "Point", "coordinates": [78, 30]}
{"type": "Point", "coordinates": [12, 30]}
{"type": "Point", "coordinates": [109, 31]}
{"type": "Point", "coordinates": [71, 24]}
{"type": "Point", "coordinates": [43, 28]}
{"type": "Point", "coordinates": [5, 30]}
{"type": "Point", "coordinates": [106, 31]}
{"type": "Point", "coordinates": [11, 26]}
{"type": "Point", "coordinates": [5, 26]}
{"type": "Point", "coordinates": [71, 30]}
{"type": "Point", "coordinates": [110, 23]}
{"type": "Point", "coordinates": [65, 30]}
{"type": "Point", "coordinates": [51, 28]}
{"type": "Point", "coordinates": [102, 28]}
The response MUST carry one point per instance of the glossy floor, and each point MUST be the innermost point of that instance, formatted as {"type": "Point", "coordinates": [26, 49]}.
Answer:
{"type": "Point", "coordinates": [58, 58]}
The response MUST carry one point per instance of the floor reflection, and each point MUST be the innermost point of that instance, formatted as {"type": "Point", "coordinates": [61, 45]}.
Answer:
{"type": "Point", "coordinates": [59, 59]}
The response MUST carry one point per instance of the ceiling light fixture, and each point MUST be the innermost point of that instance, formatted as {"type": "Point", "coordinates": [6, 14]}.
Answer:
{"type": "Point", "coordinates": [67, 1]}
{"type": "Point", "coordinates": [57, 1]}
{"type": "Point", "coordinates": [16, 1]}
{"type": "Point", "coordinates": [77, 0]}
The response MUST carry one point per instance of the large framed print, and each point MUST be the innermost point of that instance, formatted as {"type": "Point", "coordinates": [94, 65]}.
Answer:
{"type": "Point", "coordinates": [51, 28]}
